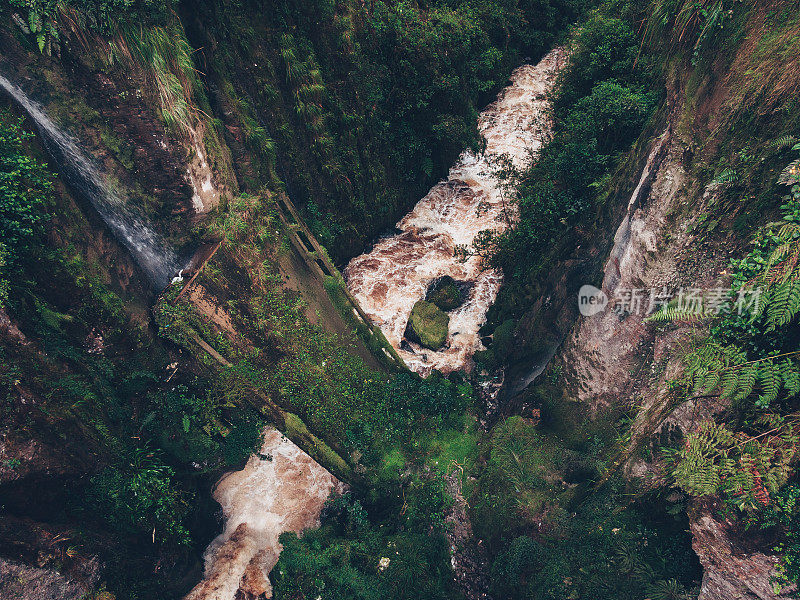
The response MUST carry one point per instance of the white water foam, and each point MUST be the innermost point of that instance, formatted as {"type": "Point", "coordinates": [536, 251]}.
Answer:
{"type": "Point", "coordinates": [263, 500]}
{"type": "Point", "coordinates": [390, 279]}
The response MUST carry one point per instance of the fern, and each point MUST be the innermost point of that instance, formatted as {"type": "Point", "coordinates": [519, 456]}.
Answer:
{"type": "Point", "coordinates": [746, 469]}
{"type": "Point", "coordinates": [769, 378]}
{"type": "Point", "coordinates": [791, 377]}
{"type": "Point", "coordinates": [674, 312]}
{"type": "Point", "coordinates": [783, 304]}
{"type": "Point", "coordinates": [786, 141]}
{"type": "Point", "coordinates": [727, 176]}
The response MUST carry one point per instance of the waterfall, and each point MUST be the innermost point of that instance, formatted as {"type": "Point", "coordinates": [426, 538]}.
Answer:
{"type": "Point", "coordinates": [390, 279]}
{"type": "Point", "coordinates": [150, 250]}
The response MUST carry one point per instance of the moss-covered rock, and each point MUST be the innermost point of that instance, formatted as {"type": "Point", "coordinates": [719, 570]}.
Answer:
{"type": "Point", "coordinates": [446, 293]}
{"type": "Point", "coordinates": [428, 325]}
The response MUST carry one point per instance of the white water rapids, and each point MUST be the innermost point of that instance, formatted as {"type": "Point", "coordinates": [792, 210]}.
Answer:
{"type": "Point", "coordinates": [151, 251]}
{"type": "Point", "coordinates": [390, 279]}
{"type": "Point", "coordinates": [287, 493]}
{"type": "Point", "coordinates": [266, 498]}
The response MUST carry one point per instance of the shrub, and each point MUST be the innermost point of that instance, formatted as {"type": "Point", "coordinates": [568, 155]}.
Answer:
{"type": "Point", "coordinates": [25, 186]}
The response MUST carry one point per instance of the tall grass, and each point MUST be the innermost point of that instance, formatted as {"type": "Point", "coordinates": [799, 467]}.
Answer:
{"type": "Point", "coordinates": [166, 57]}
{"type": "Point", "coordinates": [160, 53]}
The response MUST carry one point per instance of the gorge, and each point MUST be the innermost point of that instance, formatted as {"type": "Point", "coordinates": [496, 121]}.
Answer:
{"type": "Point", "coordinates": [396, 273]}
{"type": "Point", "coordinates": [290, 300]}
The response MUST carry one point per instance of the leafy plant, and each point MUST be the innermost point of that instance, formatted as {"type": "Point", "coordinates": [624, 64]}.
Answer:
{"type": "Point", "coordinates": [138, 494]}
{"type": "Point", "coordinates": [25, 187]}
{"type": "Point", "coordinates": [747, 469]}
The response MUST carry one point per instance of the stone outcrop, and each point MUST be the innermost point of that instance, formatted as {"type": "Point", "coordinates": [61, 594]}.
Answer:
{"type": "Point", "coordinates": [24, 582]}
{"type": "Point", "coordinates": [731, 571]}
{"type": "Point", "coordinates": [428, 325]}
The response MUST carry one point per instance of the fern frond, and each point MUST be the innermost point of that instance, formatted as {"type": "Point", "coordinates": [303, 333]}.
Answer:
{"type": "Point", "coordinates": [785, 141]}
{"type": "Point", "coordinates": [725, 177]}
{"type": "Point", "coordinates": [748, 375]}
{"type": "Point", "coordinates": [770, 380]}
{"type": "Point", "coordinates": [791, 377]}
{"type": "Point", "coordinates": [669, 313]}
{"type": "Point", "coordinates": [782, 304]}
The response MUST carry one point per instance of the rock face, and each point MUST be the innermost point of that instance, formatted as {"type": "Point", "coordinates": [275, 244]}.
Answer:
{"type": "Point", "coordinates": [428, 325]}
{"type": "Point", "coordinates": [468, 555]}
{"type": "Point", "coordinates": [671, 237]}
{"type": "Point", "coordinates": [729, 570]}
{"type": "Point", "coordinates": [24, 582]}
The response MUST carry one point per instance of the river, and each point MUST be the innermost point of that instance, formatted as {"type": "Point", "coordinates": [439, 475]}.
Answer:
{"type": "Point", "coordinates": [287, 492]}
{"type": "Point", "coordinates": [396, 273]}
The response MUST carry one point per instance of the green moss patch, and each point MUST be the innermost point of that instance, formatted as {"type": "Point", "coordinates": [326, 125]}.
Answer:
{"type": "Point", "coordinates": [446, 293]}
{"type": "Point", "coordinates": [428, 325]}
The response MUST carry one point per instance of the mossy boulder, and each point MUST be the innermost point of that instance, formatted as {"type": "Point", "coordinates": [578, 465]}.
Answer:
{"type": "Point", "coordinates": [447, 293]}
{"type": "Point", "coordinates": [428, 325]}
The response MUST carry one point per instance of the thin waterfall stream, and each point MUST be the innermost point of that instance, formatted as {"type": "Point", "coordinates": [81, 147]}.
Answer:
{"type": "Point", "coordinates": [150, 250]}
{"type": "Point", "coordinates": [398, 271]}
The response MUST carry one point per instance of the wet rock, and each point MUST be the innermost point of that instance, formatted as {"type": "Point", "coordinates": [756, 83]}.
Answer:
{"type": "Point", "coordinates": [25, 582]}
{"type": "Point", "coordinates": [732, 568]}
{"type": "Point", "coordinates": [428, 325]}
{"type": "Point", "coordinates": [447, 293]}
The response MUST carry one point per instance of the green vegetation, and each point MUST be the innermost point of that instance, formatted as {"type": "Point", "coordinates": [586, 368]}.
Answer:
{"type": "Point", "coordinates": [356, 108]}
{"type": "Point", "coordinates": [139, 495]}
{"type": "Point", "coordinates": [750, 357]}
{"type": "Point", "coordinates": [446, 294]}
{"type": "Point", "coordinates": [599, 552]}
{"type": "Point", "coordinates": [44, 17]}
{"type": "Point", "coordinates": [601, 103]}
{"type": "Point", "coordinates": [351, 557]}
{"type": "Point", "coordinates": [369, 104]}
{"type": "Point", "coordinates": [428, 325]}
{"type": "Point", "coordinates": [24, 199]}
{"type": "Point", "coordinates": [551, 533]}
{"type": "Point", "coordinates": [144, 435]}
{"type": "Point", "coordinates": [372, 336]}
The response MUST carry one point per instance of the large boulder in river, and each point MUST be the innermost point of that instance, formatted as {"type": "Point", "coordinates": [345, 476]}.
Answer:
{"type": "Point", "coordinates": [428, 325]}
{"type": "Point", "coordinates": [447, 293]}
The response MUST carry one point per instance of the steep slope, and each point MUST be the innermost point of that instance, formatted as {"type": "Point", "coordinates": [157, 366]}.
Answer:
{"type": "Point", "coordinates": [684, 204]}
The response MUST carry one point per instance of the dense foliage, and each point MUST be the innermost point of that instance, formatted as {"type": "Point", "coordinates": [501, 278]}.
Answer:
{"type": "Point", "coordinates": [601, 102]}
{"type": "Point", "coordinates": [599, 552]}
{"type": "Point", "coordinates": [24, 199]}
{"type": "Point", "coordinates": [356, 108]}
{"type": "Point", "coordinates": [369, 103]}
{"type": "Point", "coordinates": [106, 16]}
{"type": "Point", "coordinates": [98, 380]}
{"type": "Point", "coordinates": [390, 426]}
{"type": "Point", "coordinates": [750, 358]}
{"type": "Point", "coordinates": [352, 557]}
{"type": "Point", "coordinates": [550, 534]}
